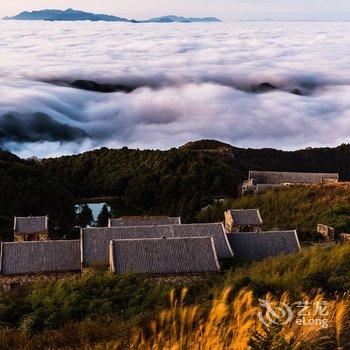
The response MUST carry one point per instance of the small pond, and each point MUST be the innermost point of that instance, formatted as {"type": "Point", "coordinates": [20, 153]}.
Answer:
{"type": "Point", "coordinates": [117, 208]}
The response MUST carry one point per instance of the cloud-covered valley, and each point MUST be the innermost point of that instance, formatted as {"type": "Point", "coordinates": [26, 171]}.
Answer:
{"type": "Point", "coordinates": [284, 85]}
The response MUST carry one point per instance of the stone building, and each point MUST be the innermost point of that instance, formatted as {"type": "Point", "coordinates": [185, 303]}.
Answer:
{"type": "Point", "coordinates": [31, 228]}
{"type": "Point", "coordinates": [260, 181]}
{"type": "Point", "coordinates": [243, 220]}
{"type": "Point", "coordinates": [164, 256]}
{"type": "Point", "coordinates": [30, 258]}
{"type": "Point", "coordinates": [258, 246]}
{"type": "Point", "coordinates": [95, 241]}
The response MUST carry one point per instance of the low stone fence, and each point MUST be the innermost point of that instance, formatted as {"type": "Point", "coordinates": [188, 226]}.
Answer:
{"type": "Point", "coordinates": [345, 238]}
{"type": "Point", "coordinates": [326, 232]}
{"type": "Point", "coordinates": [12, 283]}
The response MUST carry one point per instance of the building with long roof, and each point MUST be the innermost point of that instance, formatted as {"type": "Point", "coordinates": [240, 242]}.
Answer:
{"type": "Point", "coordinates": [144, 221]}
{"type": "Point", "coordinates": [260, 181]}
{"type": "Point", "coordinates": [95, 241]}
{"type": "Point", "coordinates": [258, 246]}
{"type": "Point", "coordinates": [164, 256]}
{"type": "Point", "coordinates": [30, 258]}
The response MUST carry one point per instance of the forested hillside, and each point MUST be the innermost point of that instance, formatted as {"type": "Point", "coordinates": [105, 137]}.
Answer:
{"type": "Point", "coordinates": [175, 182]}
{"type": "Point", "coordinates": [27, 189]}
{"type": "Point", "coordinates": [179, 181]}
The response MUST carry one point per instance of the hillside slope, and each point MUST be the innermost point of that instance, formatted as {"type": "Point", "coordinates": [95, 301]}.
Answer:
{"type": "Point", "coordinates": [295, 207]}
{"type": "Point", "coordinates": [175, 182]}
{"type": "Point", "coordinates": [182, 180]}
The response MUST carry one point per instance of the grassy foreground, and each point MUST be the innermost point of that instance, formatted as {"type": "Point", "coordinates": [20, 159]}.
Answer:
{"type": "Point", "coordinates": [233, 324]}
{"type": "Point", "coordinates": [100, 310]}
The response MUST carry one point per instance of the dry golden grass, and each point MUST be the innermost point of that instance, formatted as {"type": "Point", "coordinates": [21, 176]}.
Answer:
{"type": "Point", "coordinates": [232, 323]}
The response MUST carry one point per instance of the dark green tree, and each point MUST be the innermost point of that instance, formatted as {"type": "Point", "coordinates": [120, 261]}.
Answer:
{"type": "Point", "coordinates": [103, 216]}
{"type": "Point", "coordinates": [84, 216]}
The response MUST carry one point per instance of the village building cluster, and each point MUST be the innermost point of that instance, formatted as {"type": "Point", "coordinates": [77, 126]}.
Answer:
{"type": "Point", "coordinates": [158, 245]}
{"type": "Point", "coordinates": [145, 245]}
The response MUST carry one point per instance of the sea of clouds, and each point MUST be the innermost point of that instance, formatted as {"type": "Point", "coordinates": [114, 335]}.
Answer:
{"type": "Point", "coordinates": [191, 81]}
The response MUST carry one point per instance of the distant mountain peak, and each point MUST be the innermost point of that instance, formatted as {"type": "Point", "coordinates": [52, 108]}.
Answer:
{"type": "Point", "coordinates": [206, 144]}
{"type": "Point", "coordinates": [64, 15]}
{"type": "Point", "coordinates": [75, 15]}
{"type": "Point", "coordinates": [181, 19]}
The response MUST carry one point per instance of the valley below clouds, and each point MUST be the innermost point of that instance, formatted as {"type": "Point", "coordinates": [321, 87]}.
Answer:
{"type": "Point", "coordinates": [253, 84]}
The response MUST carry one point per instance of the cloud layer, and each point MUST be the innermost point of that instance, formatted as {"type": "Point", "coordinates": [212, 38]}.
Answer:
{"type": "Point", "coordinates": [190, 82]}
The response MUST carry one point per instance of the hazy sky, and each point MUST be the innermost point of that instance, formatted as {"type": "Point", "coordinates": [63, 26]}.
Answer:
{"type": "Point", "coordinates": [225, 9]}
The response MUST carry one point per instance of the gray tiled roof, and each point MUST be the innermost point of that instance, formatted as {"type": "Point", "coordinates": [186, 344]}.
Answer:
{"type": "Point", "coordinates": [246, 217]}
{"type": "Point", "coordinates": [164, 256]}
{"type": "Point", "coordinates": [257, 246]}
{"type": "Point", "coordinates": [275, 177]}
{"type": "Point", "coordinates": [144, 221]}
{"type": "Point", "coordinates": [40, 257]}
{"type": "Point", "coordinates": [30, 224]}
{"type": "Point", "coordinates": [95, 241]}
{"type": "Point", "coordinates": [216, 230]}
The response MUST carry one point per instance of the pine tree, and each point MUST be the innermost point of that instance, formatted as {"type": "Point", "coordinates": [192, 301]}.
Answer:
{"type": "Point", "coordinates": [103, 216]}
{"type": "Point", "coordinates": [84, 216]}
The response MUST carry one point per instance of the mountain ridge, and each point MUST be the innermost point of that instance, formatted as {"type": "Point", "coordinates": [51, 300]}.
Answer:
{"type": "Point", "coordinates": [76, 15]}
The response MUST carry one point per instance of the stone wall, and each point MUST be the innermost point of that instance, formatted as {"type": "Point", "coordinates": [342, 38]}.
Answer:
{"type": "Point", "coordinates": [11, 283]}
{"type": "Point", "coordinates": [31, 237]}
{"type": "Point", "coordinates": [345, 237]}
{"type": "Point", "coordinates": [326, 232]}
